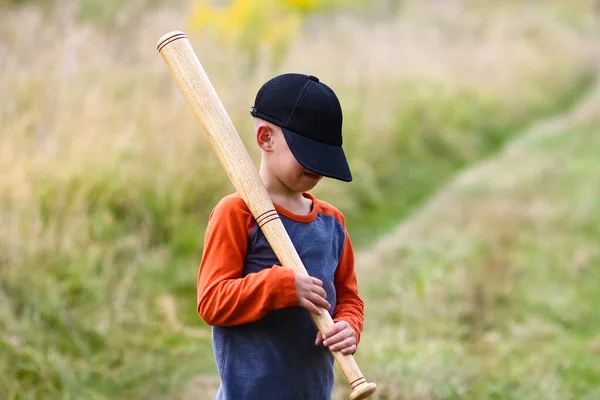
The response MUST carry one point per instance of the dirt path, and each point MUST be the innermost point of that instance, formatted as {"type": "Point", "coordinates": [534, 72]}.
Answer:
{"type": "Point", "coordinates": [384, 249]}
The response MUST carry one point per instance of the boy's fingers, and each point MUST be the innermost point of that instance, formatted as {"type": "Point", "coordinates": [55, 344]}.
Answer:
{"type": "Point", "coordinates": [335, 328]}
{"type": "Point", "coordinates": [349, 350]}
{"type": "Point", "coordinates": [310, 306]}
{"type": "Point", "coordinates": [319, 301]}
{"type": "Point", "coordinates": [320, 291]}
{"type": "Point", "coordinates": [342, 345]}
{"type": "Point", "coordinates": [316, 281]}
{"type": "Point", "coordinates": [338, 337]}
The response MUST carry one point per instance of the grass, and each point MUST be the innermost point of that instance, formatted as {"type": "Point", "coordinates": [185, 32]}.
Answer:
{"type": "Point", "coordinates": [106, 181]}
{"type": "Point", "coordinates": [405, 182]}
{"type": "Point", "coordinates": [490, 293]}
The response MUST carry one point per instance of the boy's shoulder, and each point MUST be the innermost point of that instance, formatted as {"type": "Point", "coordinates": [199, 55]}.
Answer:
{"type": "Point", "coordinates": [231, 212]}
{"type": "Point", "coordinates": [231, 200]}
{"type": "Point", "coordinates": [231, 204]}
{"type": "Point", "coordinates": [329, 209]}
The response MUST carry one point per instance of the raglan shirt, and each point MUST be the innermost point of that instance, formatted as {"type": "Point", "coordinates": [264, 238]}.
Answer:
{"type": "Point", "coordinates": [263, 341]}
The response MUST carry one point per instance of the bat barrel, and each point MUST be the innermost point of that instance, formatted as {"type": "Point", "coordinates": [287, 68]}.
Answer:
{"type": "Point", "coordinates": [191, 78]}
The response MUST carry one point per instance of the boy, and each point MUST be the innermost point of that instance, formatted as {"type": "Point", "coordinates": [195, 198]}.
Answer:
{"type": "Point", "coordinates": [265, 343]}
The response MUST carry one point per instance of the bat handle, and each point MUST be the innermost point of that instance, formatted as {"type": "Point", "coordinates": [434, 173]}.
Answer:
{"type": "Point", "coordinates": [360, 388]}
{"type": "Point", "coordinates": [285, 251]}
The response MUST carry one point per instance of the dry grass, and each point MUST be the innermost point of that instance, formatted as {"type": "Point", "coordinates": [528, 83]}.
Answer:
{"type": "Point", "coordinates": [106, 180]}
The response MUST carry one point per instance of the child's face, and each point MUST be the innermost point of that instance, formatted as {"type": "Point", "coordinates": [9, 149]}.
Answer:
{"type": "Point", "coordinates": [282, 164]}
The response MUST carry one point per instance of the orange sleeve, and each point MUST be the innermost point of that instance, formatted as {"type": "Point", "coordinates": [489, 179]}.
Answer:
{"type": "Point", "coordinates": [224, 297]}
{"type": "Point", "coordinates": [349, 307]}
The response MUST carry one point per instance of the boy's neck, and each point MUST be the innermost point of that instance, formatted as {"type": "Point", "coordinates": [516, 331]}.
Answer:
{"type": "Point", "coordinates": [283, 196]}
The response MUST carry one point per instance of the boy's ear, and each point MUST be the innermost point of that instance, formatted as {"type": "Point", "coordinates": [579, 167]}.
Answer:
{"type": "Point", "coordinates": [264, 137]}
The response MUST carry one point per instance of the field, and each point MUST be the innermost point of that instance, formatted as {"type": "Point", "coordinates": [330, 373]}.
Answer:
{"type": "Point", "coordinates": [471, 131]}
{"type": "Point", "coordinates": [489, 291]}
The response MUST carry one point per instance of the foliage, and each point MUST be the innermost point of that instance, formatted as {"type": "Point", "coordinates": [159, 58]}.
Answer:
{"type": "Point", "coordinates": [107, 182]}
{"type": "Point", "coordinates": [251, 26]}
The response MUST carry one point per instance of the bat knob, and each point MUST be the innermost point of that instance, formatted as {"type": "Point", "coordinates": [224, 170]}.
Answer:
{"type": "Point", "coordinates": [363, 391]}
{"type": "Point", "coordinates": [169, 38]}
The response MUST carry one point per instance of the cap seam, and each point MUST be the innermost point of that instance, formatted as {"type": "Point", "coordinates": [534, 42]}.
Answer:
{"type": "Point", "coordinates": [295, 108]}
{"type": "Point", "coordinates": [330, 96]}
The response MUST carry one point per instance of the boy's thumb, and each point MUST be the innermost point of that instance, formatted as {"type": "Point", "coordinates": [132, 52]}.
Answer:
{"type": "Point", "coordinates": [319, 338]}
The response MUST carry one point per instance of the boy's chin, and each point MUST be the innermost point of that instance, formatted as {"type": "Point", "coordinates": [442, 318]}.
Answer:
{"type": "Point", "coordinates": [311, 176]}
{"type": "Point", "coordinates": [305, 185]}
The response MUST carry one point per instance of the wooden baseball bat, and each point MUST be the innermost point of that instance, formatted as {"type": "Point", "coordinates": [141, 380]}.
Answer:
{"type": "Point", "coordinates": [235, 159]}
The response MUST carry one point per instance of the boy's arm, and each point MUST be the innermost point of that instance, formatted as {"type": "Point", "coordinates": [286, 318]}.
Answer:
{"type": "Point", "coordinates": [224, 297]}
{"type": "Point", "coordinates": [349, 307]}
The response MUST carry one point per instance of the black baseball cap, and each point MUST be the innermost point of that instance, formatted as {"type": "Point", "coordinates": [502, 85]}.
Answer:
{"type": "Point", "coordinates": [310, 116]}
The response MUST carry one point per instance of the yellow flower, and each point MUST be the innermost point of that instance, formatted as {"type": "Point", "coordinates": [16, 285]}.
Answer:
{"type": "Point", "coordinates": [305, 5]}
{"type": "Point", "coordinates": [203, 14]}
{"type": "Point", "coordinates": [282, 30]}
{"type": "Point", "coordinates": [251, 24]}
{"type": "Point", "coordinates": [264, 21]}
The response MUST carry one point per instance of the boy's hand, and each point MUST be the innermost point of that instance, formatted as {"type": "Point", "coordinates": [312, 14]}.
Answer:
{"type": "Point", "coordinates": [340, 337]}
{"type": "Point", "coordinates": [311, 294]}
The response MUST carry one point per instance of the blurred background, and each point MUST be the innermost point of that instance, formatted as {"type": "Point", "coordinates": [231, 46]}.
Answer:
{"type": "Point", "coordinates": [472, 130]}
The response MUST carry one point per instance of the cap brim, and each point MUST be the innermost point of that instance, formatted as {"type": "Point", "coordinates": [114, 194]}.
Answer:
{"type": "Point", "coordinates": [324, 159]}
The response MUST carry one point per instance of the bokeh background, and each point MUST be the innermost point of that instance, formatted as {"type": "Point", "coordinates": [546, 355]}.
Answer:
{"type": "Point", "coordinates": [471, 126]}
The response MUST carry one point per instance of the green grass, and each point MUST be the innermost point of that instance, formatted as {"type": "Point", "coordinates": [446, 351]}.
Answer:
{"type": "Point", "coordinates": [493, 293]}
{"type": "Point", "coordinates": [76, 326]}
{"type": "Point", "coordinates": [107, 183]}
{"type": "Point", "coordinates": [450, 130]}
